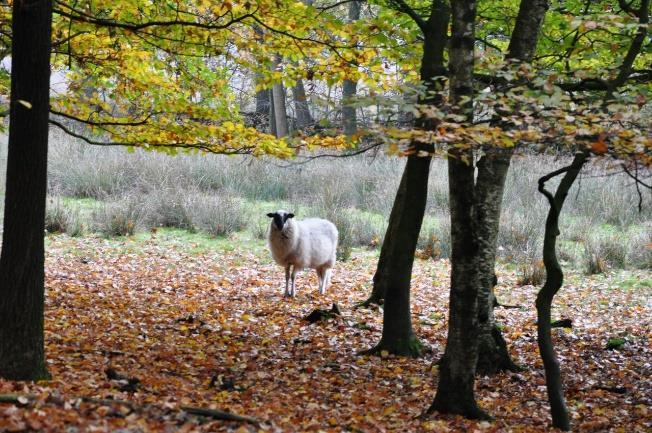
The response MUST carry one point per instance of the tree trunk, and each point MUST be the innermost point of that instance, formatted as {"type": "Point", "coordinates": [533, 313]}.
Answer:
{"type": "Point", "coordinates": [349, 87]}
{"type": "Point", "coordinates": [554, 280]}
{"type": "Point", "coordinates": [262, 102]}
{"type": "Point", "coordinates": [302, 111]}
{"type": "Point", "coordinates": [493, 356]}
{"type": "Point", "coordinates": [278, 99]}
{"type": "Point", "coordinates": [381, 278]}
{"type": "Point", "coordinates": [455, 391]}
{"type": "Point", "coordinates": [349, 116]}
{"type": "Point", "coordinates": [492, 172]}
{"type": "Point", "coordinates": [394, 270]}
{"type": "Point", "coordinates": [398, 337]}
{"type": "Point", "coordinates": [272, 114]}
{"type": "Point", "coordinates": [22, 353]}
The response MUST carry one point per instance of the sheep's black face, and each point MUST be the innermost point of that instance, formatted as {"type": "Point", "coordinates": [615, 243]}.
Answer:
{"type": "Point", "coordinates": [280, 218]}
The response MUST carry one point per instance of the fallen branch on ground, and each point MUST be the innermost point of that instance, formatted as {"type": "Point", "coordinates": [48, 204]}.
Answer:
{"type": "Point", "coordinates": [24, 399]}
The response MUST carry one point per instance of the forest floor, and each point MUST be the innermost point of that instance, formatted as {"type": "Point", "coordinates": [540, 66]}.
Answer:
{"type": "Point", "coordinates": [167, 320]}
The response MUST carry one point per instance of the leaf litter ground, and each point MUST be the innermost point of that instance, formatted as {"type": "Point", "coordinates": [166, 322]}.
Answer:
{"type": "Point", "coordinates": [159, 325]}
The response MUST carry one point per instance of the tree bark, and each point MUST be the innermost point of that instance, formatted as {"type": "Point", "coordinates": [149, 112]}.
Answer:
{"type": "Point", "coordinates": [381, 277]}
{"type": "Point", "coordinates": [278, 100]}
{"type": "Point", "coordinates": [302, 111]}
{"type": "Point", "coordinates": [349, 87]}
{"type": "Point", "coordinates": [262, 102]}
{"type": "Point", "coordinates": [492, 172]}
{"type": "Point", "coordinates": [554, 281]}
{"type": "Point", "coordinates": [493, 356]}
{"type": "Point", "coordinates": [22, 352]}
{"type": "Point", "coordinates": [455, 391]}
{"type": "Point", "coordinates": [394, 270]}
{"type": "Point", "coordinates": [272, 114]}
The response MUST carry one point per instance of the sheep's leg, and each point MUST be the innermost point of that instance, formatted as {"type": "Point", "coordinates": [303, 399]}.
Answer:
{"type": "Point", "coordinates": [321, 279]}
{"type": "Point", "coordinates": [327, 278]}
{"type": "Point", "coordinates": [287, 281]}
{"type": "Point", "coordinates": [294, 276]}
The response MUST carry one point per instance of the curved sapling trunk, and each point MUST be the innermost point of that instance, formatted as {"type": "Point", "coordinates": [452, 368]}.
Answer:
{"type": "Point", "coordinates": [554, 280]}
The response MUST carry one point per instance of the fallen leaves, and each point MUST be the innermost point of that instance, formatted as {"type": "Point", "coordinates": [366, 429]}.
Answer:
{"type": "Point", "coordinates": [213, 331]}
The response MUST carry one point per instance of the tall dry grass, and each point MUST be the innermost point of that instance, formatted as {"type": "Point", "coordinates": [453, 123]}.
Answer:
{"type": "Point", "coordinates": [220, 195]}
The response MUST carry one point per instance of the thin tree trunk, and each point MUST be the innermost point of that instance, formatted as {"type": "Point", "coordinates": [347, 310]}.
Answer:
{"type": "Point", "coordinates": [262, 102]}
{"type": "Point", "coordinates": [381, 278]}
{"type": "Point", "coordinates": [349, 116]}
{"type": "Point", "coordinates": [554, 281]}
{"type": "Point", "coordinates": [493, 355]}
{"type": "Point", "coordinates": [492, 172]}
{"type": "Point", "coordinates": [272, 114]}
{"type": "Point", "coordinates": [349, 87]}
{"type": "Point", "coordinates": [455, 391]}
{"type": "Point", "coordinates": [22, 353]}
{"type": "Point", "coordinates": [398, 337]}
{"type": "Point", "coordinates": [394, 270]}
{"type": "Point", "coordinates": [263, 110]}
{"type": "Point", "coordinates": [278, 100]}
{"type": "Point", "coordinates": [301, 108]}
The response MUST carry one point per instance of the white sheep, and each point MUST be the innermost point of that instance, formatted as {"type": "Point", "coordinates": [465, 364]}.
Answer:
{"type": "Point", "coordinates": [296, 245]}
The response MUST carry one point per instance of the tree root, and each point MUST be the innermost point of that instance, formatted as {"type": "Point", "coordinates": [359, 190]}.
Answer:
{"type": "Point", "coordinates": [413, 348]}
{"type": "Point", "coordinates": [373, 302]}
{"type": "Point", "coordinates": [319, 314]}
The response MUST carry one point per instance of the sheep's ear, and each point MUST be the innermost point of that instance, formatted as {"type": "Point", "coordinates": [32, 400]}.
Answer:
{"type": "Point", "coordinates": [290, 215]}
{"type": "Point", "coordinates": [271, 214]}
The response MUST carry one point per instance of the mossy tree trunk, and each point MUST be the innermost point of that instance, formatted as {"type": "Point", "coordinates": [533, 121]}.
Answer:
{"type": "Point", "coordinates": [493, 167]}
{"type": "Point", "coordinates": [554, 281]}
{"type": "Point", "coordinates": [492, 172]}
{"type": "Point", "coordinates": [394, 271]}
{"type": "Point", "coordinates": [22, 353]}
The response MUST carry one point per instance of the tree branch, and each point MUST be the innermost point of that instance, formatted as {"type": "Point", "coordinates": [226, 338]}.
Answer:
{"type": "Point", "coordinates": [21, 400]}
{"type": "Point", "coordinates": [78, 15]}
{"type": "Point", "coordinates": [637, 43]}
{"type": "Point", "coordinates": [402, 6]}
{"type": "Point", "coordinates": [196, 146]}
{"type": "Point", "coordinates": [94, 123]}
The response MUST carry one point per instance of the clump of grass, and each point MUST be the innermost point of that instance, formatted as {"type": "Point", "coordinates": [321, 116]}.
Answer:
{"type": "Point", "coordinates": [167, 208]}
{"type": "Point", "coordinates": [435, 239]}
{"type": "Point", "coordinates": [519, 237]}
{"type": "Point", "coordinates": [119, 218]}
{"type": "Point", "coordinates": [531, 273]}
{"type": "Point", "coordinates": [639, 254]}
{"type": "Point", "coordinates": [216, 215]}
{"type": "Point", "coordinates": [259, 229]}
{"type": "Point", "coordinates": [605, 250]}
{"type": "Point", "coordinates": [62, 219]}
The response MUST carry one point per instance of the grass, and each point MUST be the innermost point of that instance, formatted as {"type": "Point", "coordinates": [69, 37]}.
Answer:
{"type": "Point", "coordinates": [113, 192]}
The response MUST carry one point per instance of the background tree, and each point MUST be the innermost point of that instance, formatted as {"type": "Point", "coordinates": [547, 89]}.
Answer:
{"type": "Point", "coordinates": [350, 87]}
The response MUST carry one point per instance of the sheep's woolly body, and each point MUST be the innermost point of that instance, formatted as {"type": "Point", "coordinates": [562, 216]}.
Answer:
{"type": "Point", "coordinates": [310, 243]}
